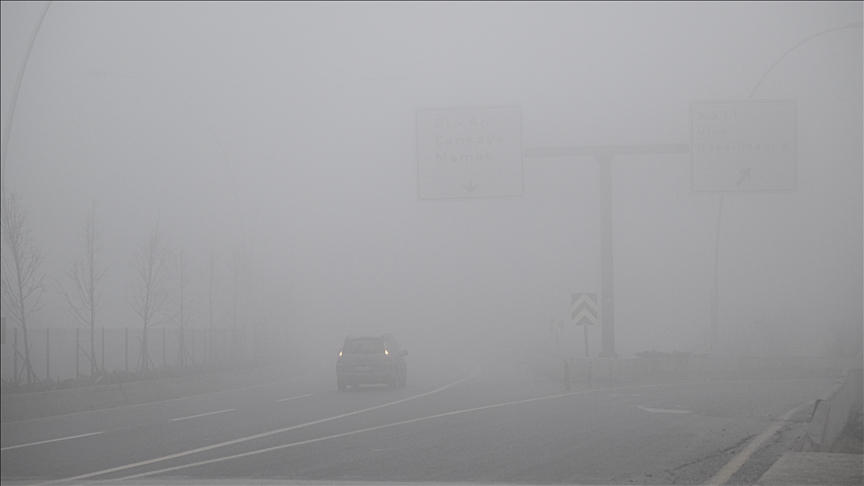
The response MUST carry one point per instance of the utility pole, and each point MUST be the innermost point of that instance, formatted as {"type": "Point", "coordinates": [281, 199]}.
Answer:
{"type": "Point", "coordinates": [607, 274]}
{"type": "Point", "coordinates": [604, 155]}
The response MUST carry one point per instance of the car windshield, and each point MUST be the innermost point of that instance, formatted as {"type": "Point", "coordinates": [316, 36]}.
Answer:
{"type": "Point", "coordinates": [363, 346]}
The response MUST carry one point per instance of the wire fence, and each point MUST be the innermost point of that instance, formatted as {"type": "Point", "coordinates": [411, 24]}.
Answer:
{"type": "Point", "coordinates": [58, 354]}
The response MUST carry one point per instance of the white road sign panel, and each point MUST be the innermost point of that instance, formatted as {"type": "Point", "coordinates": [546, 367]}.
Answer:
{"type": "Point", "coordinates": [584, 309]}
{"type": "Point", "coordinates": [743, 145]}
{"type": "Point", "coordinates": [469, 152]}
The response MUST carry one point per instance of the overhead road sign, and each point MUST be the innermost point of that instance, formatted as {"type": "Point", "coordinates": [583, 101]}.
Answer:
{"type": "Point", "coordinates": [595, 150]}
{"type": "Point", "coordinates": [740, 146]}
{"type": "Point", "coordinates": [469, 152]}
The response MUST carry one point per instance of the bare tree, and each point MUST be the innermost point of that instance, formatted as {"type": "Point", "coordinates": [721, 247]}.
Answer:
{"type": "Point", "coordinates": [22, 285]}
{"type": "Point", "coordinates": [85, 274]}
{"type": "Point", "coordinates": [239, 290]}
{"type": "Point", "coordinates": [236, 257]}
{"type": "Point", "coordinates": [149, 294]}
{"type": "Point", "coordinates": [184, 316]}
{"type": "Point", "coordinates": [213, 280]}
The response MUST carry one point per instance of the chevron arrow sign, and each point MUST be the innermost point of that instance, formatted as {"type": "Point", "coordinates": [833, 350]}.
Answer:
{"type": "Point", "coordinates": [584, 309]}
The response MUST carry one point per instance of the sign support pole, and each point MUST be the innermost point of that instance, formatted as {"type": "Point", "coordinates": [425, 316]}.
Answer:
{"type": "Point", "coordinates": [604, 154]}
{"type": "Point", "coordinates": [586, 340]}
{"type": "Point", "coordinates": [607, 285]}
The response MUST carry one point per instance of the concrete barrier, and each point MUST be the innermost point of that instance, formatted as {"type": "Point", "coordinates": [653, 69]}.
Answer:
{"type": "Point", "coordinates": [24, 406]}
{"type": "Point", "coordinates": [809, 468]}
{"type": "Point", "coordinates": [831, 415]}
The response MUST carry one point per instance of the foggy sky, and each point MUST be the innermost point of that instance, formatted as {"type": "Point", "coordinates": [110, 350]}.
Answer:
{"type": "Point", "coordinates": [288, 130]}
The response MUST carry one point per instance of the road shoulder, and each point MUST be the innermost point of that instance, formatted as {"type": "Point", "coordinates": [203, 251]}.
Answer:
{"type": "Point", "coordinates": [809, 468]}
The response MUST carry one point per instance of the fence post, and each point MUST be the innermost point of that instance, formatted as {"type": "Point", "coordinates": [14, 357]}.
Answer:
{"type": "Point", "coordinates": [77, 348]}
{"type": "Point", "coordinates": [15, 353]}
{"type": "Point", "coordinates": [47, 353]}
{"type": "Point", "coordinates": [126, 338]}
{"type": "Point", "coordinates": [567, 373]}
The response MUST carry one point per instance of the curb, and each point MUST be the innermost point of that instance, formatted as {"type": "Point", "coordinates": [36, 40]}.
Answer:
{"type": "Point", "coordinates": [831, 416]}
{"type": "Point", "coordinates": [795, 468]}
{"type": "Point", "coordinates": [810, 461]}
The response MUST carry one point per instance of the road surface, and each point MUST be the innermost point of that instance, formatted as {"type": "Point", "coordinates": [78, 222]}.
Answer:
{"type": "Point", "coordinates": [457, 422]}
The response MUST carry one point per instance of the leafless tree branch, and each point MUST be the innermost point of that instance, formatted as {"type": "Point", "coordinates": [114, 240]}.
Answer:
{"type": "Point", "coordinates": [21, 284]}
{"type": "Point", "coordinates": [149, 293]}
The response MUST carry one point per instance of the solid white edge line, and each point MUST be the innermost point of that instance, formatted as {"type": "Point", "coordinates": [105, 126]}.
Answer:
{"type": "Point", "coordinates": [201, 415]}
{"type": "Point", "coordinates": [47, 441]}
{"type": "Point", "coordinates": [738, 461]}
{"type": "Point", "coordinates": [748, 450]}
{"type": "Point", "coordinates": [344, 434]}
{"type": "Point", "coordinates": [265, 434]}
{"type": "Point", "coordinates": [292, 398]}
{"type": "Point", "coordinates": [252, 437]}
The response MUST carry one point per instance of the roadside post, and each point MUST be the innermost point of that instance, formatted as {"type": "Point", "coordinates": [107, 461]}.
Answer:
{"type": "Point", "coordinates": [584, 312]}
{"type": "Point", "coordinates": [739, 147]}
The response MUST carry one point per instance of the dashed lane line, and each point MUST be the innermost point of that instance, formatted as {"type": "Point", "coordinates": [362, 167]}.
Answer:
{"type": "Point", "coordinates": [722, 476]}
{"type": "Point", "coordinates": [662, 410]}
{"type": "Point", "coordinates": [294, 398]}
{"type": "Point", "coordinates": [201, 415]}
{"type": "Point", "coordinates": [345, 434]}
{"type": "Point", "coordinates": [253, 437]}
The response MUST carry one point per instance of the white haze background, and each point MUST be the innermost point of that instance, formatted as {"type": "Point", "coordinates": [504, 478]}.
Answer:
{"type": "Point", "coordinates": [284, 134]}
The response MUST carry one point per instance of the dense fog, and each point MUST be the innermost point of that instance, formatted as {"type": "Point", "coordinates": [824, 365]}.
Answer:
{"type": "Point", "coordinates": [277, 147]}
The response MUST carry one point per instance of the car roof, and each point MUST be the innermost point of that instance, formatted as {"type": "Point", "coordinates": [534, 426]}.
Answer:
{"type": "Point", "coordinates": [381, 336]}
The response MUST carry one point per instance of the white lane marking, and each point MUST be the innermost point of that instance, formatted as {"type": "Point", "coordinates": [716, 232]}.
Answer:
{"type": "Point", "coordinates": [293, 398]}
{"type": "Point", "coordinates": [661, 410]}
{"type": "Point", "coordinates": [738, 461]}
{"type": "Point", "coordinates": [344, 434]}
{"type": "Point", "coordinates": [269, 383]}
{"type": "Point", "coordinates": [47, 441]}
{"type": "Point", "coordinates": [253, 437]}
{"type": "Point", "coordinates": [201, 415]}
{"type": "Point", "coordinates": [446, 414]}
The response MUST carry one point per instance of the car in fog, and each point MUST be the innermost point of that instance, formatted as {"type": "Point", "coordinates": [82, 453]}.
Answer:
{"type": "Point", "coordinates": [371, 360]}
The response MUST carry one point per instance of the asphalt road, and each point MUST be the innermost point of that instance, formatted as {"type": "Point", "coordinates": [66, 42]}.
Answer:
{"type": "Point", "coordinates": [456, 422]}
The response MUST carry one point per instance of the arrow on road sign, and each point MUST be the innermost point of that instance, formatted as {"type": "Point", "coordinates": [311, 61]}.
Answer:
{"type": "Point", "coordinates": [471, 186]}
{"type": "Point", "coordinates": [745, 174]}
{"type": "Point", "coordinates": [584, 309]}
